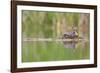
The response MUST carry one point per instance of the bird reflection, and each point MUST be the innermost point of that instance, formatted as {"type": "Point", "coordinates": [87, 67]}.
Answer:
{"type": "Point", "coordinates": [70, 44]}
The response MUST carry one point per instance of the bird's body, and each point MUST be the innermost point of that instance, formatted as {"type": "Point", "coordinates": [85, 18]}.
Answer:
{"type": "Point", "coordinates": [70, 35]}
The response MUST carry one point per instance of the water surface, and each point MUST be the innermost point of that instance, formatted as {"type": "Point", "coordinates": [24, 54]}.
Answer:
{"type": "Point", "coordinates": [35, 51]}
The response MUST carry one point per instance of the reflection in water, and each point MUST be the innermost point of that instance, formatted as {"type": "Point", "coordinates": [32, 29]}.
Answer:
{"type": "Point", "coordinates": [74, 44]}
{"type": "Point", "coordinates": [79, 48]}
{"type": "Point", "coordinates": [34, 51]}
{"type": "Point", "coordinates": [70, 44]}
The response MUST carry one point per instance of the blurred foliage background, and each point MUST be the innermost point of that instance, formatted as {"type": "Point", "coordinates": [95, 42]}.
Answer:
{"type": "Point", "coordinates": [53, 24]}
